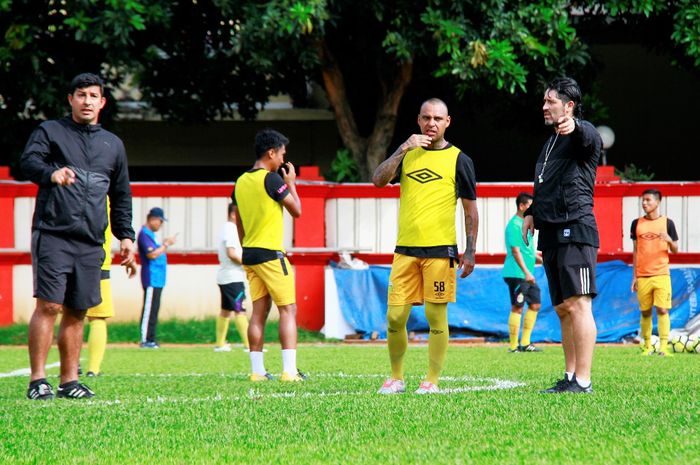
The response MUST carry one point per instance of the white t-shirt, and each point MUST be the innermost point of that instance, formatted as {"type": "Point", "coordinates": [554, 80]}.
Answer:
{"type": "Point", "coordinates": [229, 272]}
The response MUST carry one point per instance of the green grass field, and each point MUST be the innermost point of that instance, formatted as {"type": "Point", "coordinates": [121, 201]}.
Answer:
{"type": "Point", "coordinates": [189, 405]}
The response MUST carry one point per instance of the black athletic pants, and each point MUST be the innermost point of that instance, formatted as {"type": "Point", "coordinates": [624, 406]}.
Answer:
{"type": "Point", "coordinates": [149, 313]}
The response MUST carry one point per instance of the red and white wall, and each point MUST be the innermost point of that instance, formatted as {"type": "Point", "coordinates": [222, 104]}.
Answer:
{"type": "Point", "coordinates": [356, 217]}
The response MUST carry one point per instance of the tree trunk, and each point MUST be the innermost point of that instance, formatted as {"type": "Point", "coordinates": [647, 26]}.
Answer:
{"type": "Point", "coordinates": [334, 83]}
{"type": "Point", "coordinates": [385, 123]}
{"type": "Point", "coordinates": [368, 153]}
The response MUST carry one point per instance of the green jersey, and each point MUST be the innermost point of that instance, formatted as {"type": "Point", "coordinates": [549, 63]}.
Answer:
{"type": "Point", "coordinates": [514, 238]}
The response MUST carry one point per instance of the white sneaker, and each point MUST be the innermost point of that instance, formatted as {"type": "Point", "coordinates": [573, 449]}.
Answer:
{"type": "Point", "coordinates": [426, 387]}
{"type": "Point", "coordinates": [224, 348]}
{"type": "Point", "coordinates": [392, 386]}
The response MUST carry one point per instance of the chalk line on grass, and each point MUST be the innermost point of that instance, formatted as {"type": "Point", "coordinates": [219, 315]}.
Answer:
{"type": "Point", "coordinates": [26, 371]}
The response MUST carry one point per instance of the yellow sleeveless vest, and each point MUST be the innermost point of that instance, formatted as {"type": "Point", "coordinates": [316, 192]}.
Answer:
{"type": "Point", "coordinates": [260, 214]}
{"type": "Point", "coordinates": [428, 198]}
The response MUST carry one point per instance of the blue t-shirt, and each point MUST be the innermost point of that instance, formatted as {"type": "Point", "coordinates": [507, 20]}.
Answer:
{"type": "Point", "coordinates": [152, 271]}
{"type": "Point", "coordinates": [514, 238]}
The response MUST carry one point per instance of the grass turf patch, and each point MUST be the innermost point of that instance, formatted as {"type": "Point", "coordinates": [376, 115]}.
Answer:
{"type": "Point", "coordinates": [190, 405]}
{"type": "Point", "coordinates": [169, 331]}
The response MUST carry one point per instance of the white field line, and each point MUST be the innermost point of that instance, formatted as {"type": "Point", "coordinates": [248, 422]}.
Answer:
{"type": "Point", "coordinates": [486, 384]}
{"type": "Point", "coordinates": [26, 371]}
{"type": "Point", "coordinates": [254, 394]}
{"type": "Point", "coordinates": [489, 384]}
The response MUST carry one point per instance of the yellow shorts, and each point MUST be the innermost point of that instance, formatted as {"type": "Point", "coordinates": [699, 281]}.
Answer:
{"type": "Point", "coordinates": [274, 277]}
{"type": "Point", "coordinates": [415, 280]}
{"type": "Point", "coordinates": [104, 309]}
{"type": "Point", "coordinates": [654, 291]}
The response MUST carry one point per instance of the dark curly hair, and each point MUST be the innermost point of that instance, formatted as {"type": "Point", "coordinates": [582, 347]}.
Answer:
{"type": "Point", "coordinates": [267, 139]}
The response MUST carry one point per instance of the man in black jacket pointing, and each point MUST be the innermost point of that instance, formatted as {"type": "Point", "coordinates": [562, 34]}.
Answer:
{"type": "Point", "coordinates": [562, 211]}
{"type": "Point", "coordinates": [76, 164]}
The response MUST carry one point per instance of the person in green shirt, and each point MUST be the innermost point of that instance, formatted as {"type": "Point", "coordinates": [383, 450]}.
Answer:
{"type": "Point", "coordinates": [518, 273]}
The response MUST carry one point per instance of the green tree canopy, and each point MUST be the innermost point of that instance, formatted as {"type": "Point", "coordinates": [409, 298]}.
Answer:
{"type": "Point", "coordinates": [200, 60]}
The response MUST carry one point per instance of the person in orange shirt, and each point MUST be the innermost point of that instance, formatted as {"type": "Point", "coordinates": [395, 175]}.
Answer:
{"type": "Point", "coordinates": [654, 236]}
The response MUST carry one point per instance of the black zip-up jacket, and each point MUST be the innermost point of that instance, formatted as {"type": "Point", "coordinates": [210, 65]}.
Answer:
{"type": "Point", "coordinates": [564, 189]}
{"type": "Point", "coordinates": [98, 159]}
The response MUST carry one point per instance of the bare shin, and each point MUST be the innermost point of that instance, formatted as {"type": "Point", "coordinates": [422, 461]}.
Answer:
{"type": "Point", "coordinates": [288, 326]}
{"type": "Point", "coordinates": [70, 341]}
{"type": "Point", "coordinates": [256, 326]}
{"type": "Point", "coordinates": [41, 336]}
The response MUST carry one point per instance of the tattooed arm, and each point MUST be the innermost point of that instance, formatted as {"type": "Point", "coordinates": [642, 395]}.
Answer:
{"type": "Point", "coordinates": [386, 171]}
{"type": "Point", "coordinates": [471, 228]}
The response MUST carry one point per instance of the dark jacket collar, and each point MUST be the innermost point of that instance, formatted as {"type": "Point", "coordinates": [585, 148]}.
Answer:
{"type": "Point", "coordinates": [68, 120]}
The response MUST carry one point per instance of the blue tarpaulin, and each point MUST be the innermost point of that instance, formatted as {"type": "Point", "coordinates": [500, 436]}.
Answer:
{"type": "Point", "coordinates": [483, 304]}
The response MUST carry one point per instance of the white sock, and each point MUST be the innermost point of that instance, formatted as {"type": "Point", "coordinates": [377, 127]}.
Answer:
{"type": "Point", "coordinates": [584, 383]}
{"type": "Point", "coordinates": [289, 361]}
{"type": "Point", "coordinates": [256, 363]}
{"type": "Point", "coordinates": [569, 375]}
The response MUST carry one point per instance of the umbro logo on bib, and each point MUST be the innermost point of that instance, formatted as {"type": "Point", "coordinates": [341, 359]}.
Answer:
{"type": "Point", "coordinates": [424, 176]}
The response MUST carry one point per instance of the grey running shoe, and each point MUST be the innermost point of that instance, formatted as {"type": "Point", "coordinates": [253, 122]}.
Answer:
{"type": "Point", "coordinates": [149, 345]}
{"type": "Point", "coordinates": [40, 389]}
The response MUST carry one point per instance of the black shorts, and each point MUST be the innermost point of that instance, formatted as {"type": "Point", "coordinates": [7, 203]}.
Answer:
{"type": "Point", "coordinates": [522, 291]}
{"type": "Point", "coordinates": [232, 296]}
{"type": "Point", "coordinates": [66, 271]}
{"type": "Point", "coordinates": [570, 271]}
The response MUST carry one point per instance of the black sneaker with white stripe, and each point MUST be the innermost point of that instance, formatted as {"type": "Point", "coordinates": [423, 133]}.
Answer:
{"type": "Point", "coordinates": [40, 389]}
{"type": "Point", "coordinates": [529, 348]}
{"type": "Point", "coordinates": [560, 386]}
{"type": "Point", "coordinates": [74, 390]}
{"type": "Point", "coordinates": [576, 388]}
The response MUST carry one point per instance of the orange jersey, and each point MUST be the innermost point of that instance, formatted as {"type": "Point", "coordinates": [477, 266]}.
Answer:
{"type": "Point", "coordinates": [652, 251]}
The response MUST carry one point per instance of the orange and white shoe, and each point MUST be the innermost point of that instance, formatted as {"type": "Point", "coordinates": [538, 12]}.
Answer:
{"type": "Point", "coordinates": [392, 386]}
{"type": "Point", "coordinates": [426, 387]}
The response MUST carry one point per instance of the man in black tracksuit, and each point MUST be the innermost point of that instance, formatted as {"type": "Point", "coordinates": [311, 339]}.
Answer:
{"type": "Point", "coordinates": [76, 164]}
{"type": "Point", "coordinates": [562, 211]}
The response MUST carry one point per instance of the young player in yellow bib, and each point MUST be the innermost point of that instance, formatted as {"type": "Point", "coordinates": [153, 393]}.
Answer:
{"type": "Point", "coordinates": [97, 316]}
{"type": "Point", "coordinates": [653, 236]}
{"type": "Point", "coordinates": [259, 195]}
{"type": "Point", "coordinates": [433, 175]}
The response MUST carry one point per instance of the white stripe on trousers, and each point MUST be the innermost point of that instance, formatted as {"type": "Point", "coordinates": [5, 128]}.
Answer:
{"type": "Point", "coordinates": [585, 277]}
{"type": "Point", "coordinates": [147, 304]}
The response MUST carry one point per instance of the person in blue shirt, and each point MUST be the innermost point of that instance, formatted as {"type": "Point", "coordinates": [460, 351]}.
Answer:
{"type": "Point", "coordinates": [518, 273]}
{"type": "Point", "coordinates": [153, 270]}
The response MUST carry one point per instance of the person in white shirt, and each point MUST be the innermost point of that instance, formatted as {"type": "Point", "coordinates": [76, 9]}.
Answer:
{"type": "Point", "coordinates": [230, 278]}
